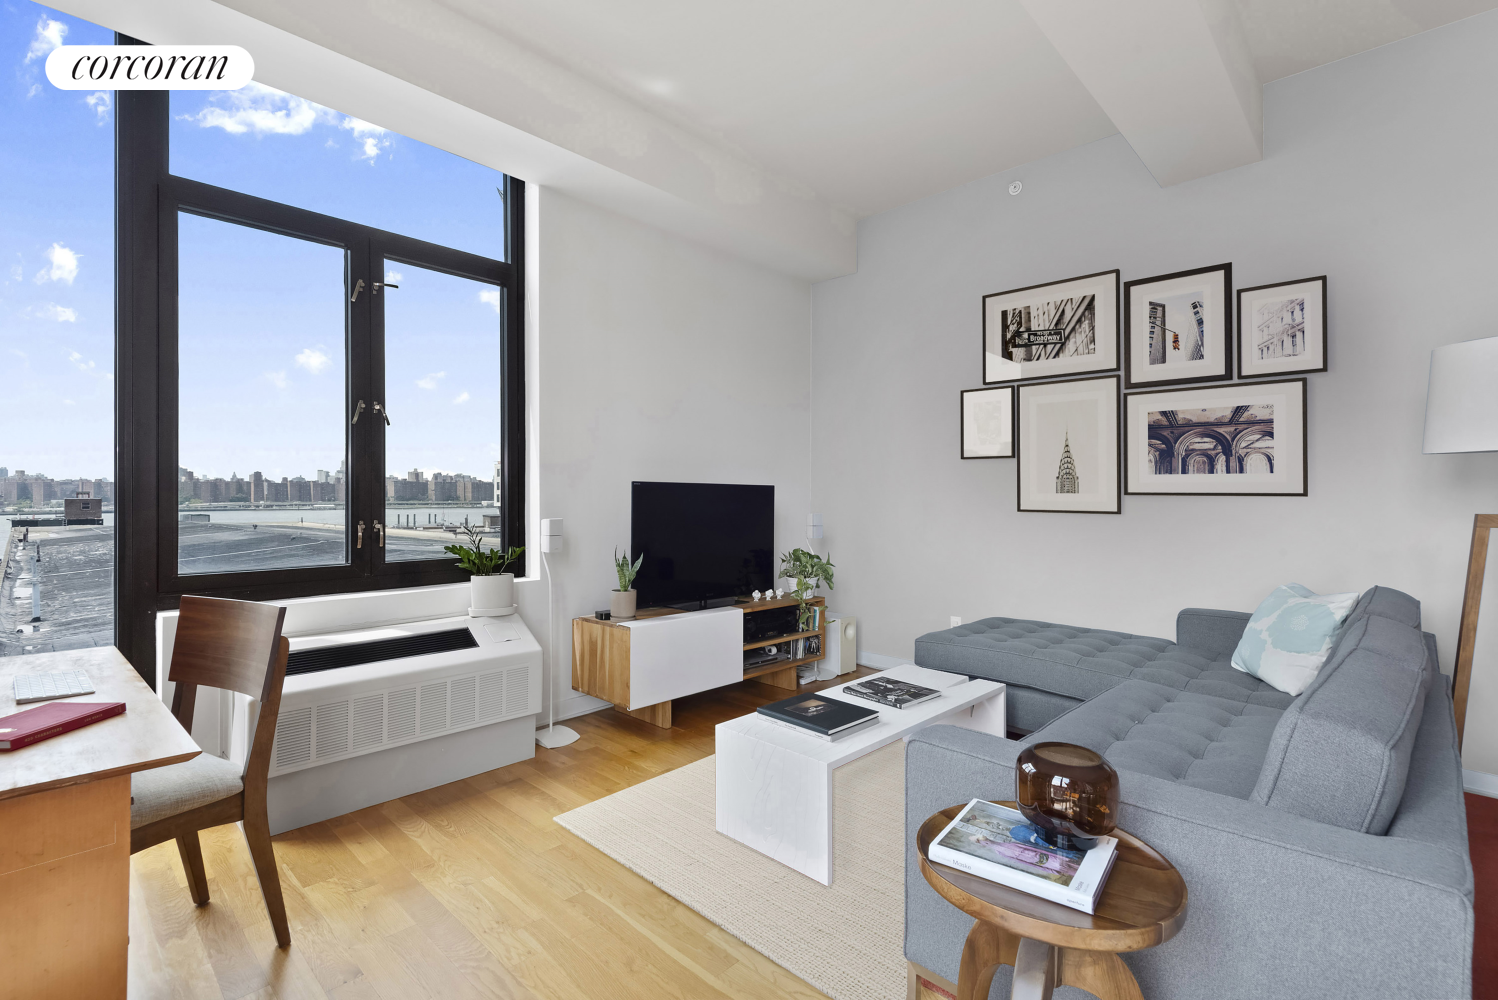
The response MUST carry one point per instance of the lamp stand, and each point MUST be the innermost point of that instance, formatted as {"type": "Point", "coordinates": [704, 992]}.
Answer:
{"type": "Point", "coordinates": [1466, 643]}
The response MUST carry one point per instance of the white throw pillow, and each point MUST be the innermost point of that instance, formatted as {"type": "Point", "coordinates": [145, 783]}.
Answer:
{"type": "Point", "coordinates": [1290, 636]}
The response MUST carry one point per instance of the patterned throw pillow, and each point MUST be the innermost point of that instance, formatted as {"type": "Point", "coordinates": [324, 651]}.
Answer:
{"type": "Point", "coordinates": [1290, 636]}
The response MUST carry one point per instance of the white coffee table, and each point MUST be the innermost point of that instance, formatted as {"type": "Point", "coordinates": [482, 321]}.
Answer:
{"type": "Point", "coordinates": [775, 785]}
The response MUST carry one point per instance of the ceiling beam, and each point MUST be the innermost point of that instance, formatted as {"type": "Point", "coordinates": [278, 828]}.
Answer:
{"type": "Point", "coordinates": [425, 72]}
{"type": "Point", "coordinates": [1175, 76]}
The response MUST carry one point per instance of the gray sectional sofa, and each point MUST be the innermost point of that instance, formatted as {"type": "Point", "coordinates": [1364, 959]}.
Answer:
{"type": "Point", "coordinates": [1322, 838]}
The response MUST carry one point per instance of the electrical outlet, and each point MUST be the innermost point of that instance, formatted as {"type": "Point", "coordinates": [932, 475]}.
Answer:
{"type": "Point", "coordinates": [956, 621]}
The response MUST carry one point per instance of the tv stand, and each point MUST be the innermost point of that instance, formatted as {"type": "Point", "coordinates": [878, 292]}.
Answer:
{"type": "Point", "coordinates": [609, 663]}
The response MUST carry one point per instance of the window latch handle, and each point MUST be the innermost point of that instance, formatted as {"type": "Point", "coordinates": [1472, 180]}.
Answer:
{"type": "Point", "coordinates": [360, 543]}
{"type": "Point", "coordinates": [358, 287]}
{"type": "Point", "coordinates": [383, 412]}
{"type": "Point", "coordinates": [358, 410]}
{"type": "Point", "coordinates": [383, 284]}
{"type": "Point", "coordinates": [380, 528]}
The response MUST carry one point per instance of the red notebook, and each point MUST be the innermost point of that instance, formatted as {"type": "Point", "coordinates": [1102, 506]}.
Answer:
{"type": "Point", "coordinates": [37, 724]}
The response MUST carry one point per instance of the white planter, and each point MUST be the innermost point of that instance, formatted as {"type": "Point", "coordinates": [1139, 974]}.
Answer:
{"type": "Point", "coordinates": [622, 604]}
{"type": "Point", "coordinates": [492, 593]}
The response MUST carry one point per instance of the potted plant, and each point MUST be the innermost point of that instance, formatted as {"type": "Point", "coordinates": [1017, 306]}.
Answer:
{"type": "Point", "coordinates": [809, 571]}
{"type": "Point", "coordinates": [492, 590]}
{"type": "Point", "coordinates": [622, 601]}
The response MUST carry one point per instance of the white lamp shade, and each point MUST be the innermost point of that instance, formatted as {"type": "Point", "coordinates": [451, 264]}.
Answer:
{"type": "Point", "coordinates": [1461, 405]}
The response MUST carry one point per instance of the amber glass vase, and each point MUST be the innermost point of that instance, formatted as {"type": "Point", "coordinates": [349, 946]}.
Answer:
{"type": "Point", "coordinates": [1068, 793]}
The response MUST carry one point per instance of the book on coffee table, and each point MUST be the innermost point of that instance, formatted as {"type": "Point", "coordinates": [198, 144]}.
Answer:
{"type": "Point", "coordinates": [996, 843]}
{"type": "Point", "coordinates": [814, 715]}
{"type": "Point", "coordinates": [887, 691]}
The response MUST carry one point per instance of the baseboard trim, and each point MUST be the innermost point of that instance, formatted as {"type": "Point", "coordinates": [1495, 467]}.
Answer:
{"type": "Point", "coordinates": [573, 705]}
{"type": "Point", "coordinates": [879, 661]}
{"type": "Point", "coordinates": [1480, 783]}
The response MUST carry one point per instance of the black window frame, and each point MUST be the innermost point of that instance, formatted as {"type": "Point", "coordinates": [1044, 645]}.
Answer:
{"type": "Point", "coordinates": [148, 200]}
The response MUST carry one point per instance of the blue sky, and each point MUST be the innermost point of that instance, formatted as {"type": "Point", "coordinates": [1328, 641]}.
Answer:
{"type": "Point", "coordinates": [261, 315]}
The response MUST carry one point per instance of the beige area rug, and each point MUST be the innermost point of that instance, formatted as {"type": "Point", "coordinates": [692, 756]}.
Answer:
{"type": "Point", "coordinates": [846, 939]}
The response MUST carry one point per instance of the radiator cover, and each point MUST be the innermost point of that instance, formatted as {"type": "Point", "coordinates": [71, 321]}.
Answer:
{"type": "Point", "coordinates": [344, 712]}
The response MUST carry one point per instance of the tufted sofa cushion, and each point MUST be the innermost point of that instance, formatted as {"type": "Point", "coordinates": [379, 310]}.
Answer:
{"type": "Point", "coordinates": [1083, 663]}
{"type": "Point", "coordinates": [1215, 744]}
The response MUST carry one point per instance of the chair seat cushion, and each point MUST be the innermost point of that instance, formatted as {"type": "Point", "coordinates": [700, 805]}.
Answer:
{"type": "Point", "coordinates": [1083, 662]}
{"type": "Point", "coordinates": [178, 788]}
{"type": "Point", "coordinates": [1216, 744]}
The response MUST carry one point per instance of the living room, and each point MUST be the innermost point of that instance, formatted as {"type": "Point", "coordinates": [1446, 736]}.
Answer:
{"type": "Point", "coordinates": [685, 287]}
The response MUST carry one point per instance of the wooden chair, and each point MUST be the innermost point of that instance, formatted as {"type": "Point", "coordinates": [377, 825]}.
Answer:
{"type": "Point", "coordinates": [235, 646]}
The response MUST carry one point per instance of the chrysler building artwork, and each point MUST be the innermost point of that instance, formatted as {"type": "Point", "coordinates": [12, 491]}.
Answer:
{"type": "Point", "coordinates": [1066, 474]}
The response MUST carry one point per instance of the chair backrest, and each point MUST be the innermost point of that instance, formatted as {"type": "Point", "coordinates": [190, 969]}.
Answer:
{"type": "Point", "coordinates": [236, 646]}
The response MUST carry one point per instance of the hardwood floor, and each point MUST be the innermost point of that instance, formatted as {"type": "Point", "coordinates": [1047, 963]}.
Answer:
{"type": "Point", "coordinates": [464, 891]}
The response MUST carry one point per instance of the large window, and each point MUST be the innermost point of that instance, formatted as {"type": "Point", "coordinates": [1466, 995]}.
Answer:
{"type": "Point", "coordinates": [320, 368]}
{"type": "Point", "coordinates": [56, 342]}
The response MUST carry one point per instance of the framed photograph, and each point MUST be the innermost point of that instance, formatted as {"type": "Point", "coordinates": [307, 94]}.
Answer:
{"type": "Point", "coordinates": [1176, 328]}
{"type": "Point", "coordinates": [1282, 328]}
{"type": "Point", "coordinates": [1068, 446]}
{"type": "Point", "coordinates": [988, 422]}
{"type": "Point", "coordinates": [1224, 440]}
{"type": "Point", "coordinates": [1062, 328]}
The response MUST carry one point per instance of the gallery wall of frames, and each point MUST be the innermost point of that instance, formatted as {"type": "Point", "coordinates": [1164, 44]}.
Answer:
{"type": "Point", "coordinates": [1163, 385]}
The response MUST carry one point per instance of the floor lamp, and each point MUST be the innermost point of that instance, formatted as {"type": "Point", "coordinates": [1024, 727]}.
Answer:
{"type": "Point", "coordinates": [1461, 415]}
{"type": "Point", "coordinates": [553, 735]}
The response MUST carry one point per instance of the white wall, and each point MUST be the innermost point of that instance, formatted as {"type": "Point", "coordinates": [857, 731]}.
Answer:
{"type": "Point", "coordinates": [651, 358]}
{"type": "Point", "coordinates": [1377, 172]}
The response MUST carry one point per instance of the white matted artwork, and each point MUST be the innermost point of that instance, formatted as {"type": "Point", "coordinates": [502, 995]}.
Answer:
{"type": "Point", "coordinates": [1227, 440]}
{"type": "Point", "coordinates": [1068, 446]}
{"type": "Point", "coordinates": [1177, 329]}
{"type": "Point", "coordinates": [1061, 328]}
{"type": "Point", "coordinates": [988, 422]}
{"type": "Point", "coordinates": [1282, 328]}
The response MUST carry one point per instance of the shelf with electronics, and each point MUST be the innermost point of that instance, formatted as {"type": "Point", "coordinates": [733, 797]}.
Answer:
{"type": "Point", "coordinates": [603, 665]}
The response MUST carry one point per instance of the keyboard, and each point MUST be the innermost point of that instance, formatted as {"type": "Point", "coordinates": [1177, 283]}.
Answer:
{"type": "Point", "coordinates": [44, 687]}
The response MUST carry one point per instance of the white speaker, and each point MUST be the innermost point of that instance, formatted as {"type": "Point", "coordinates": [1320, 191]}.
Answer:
{"type": "Point", "coordinates": [842, 642]}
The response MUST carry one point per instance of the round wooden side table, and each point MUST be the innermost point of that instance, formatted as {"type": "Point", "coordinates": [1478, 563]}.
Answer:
{"type": "Point", "coordinates": [1143, 904]}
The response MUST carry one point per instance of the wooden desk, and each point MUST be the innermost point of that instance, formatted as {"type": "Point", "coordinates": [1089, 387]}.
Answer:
{"type": "Point", "coordinates": [65, 831]}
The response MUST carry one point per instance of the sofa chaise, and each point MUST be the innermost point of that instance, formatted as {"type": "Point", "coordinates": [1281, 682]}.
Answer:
{"type": "Point", "coordinates": [1322, 837]}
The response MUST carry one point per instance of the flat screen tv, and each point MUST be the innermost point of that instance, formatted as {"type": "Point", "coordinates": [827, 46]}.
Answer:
{"type": "Point", "coordinates": [704, 543]}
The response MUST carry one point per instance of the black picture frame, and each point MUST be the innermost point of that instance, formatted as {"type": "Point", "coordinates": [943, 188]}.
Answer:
{"type": "Point", "coordinates": [1218, 332]}
{"type": "Point", "coordinates": [962, 418]}
{"type": "Point", "coordinates": [1314, 345]}
{"type": "Point", "coordinates": [1062, 367]}
{"type": "Point", "coordinates": [1133, 441]}
{"type": "Point", "coordinates": [1115, 448]}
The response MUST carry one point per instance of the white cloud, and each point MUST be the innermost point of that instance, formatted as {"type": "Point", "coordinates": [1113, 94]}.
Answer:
{"type": "Point", "coordinates": [64, 265]}
{"type": "Point", "coordinates": [393, 276]}
{"type": "Point", "coordinates": [277, 379]}
{"type": "Point", "coordinates": [460, 399]}
{"type": "Point", "coordinates": [371, 137]}
{"type": "Point", "coordinates": [36, 88]}
{"type": "Point", "coordinates": [101, 102]}
{"type": "Point", "coordinates": [260, 109]}
{"type": "Point", "coordinates": [493, 297]}
{"type": "Point", "coordinates": [19, 354]}
{"type": "Point", "coordinates": [430, 381]}
{"type": "Point", "coordinates": [67, 402]}
{"type": "Point", "coordinates": [49, 35]}
{"type": "Point", "coordinates": [53, 311]}
{"type": "Point", "coordinates": [15, 272]}
{"type": "Point", "coordinates": [79, 362]}
{"type": "Point", "coordinates": [313, 359]}
{"type": "Point", "coordinates": [360, 128]}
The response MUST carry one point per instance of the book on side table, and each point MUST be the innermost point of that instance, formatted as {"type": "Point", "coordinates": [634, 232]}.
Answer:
{"type": "Point", "coordinates": [894, 693]}
{"type": "Point", "coordinates": [995, 842]}
{"type": "Point", "coordinates": [824, 718]}
{"type": "Point", "coordinates": [36, 724]}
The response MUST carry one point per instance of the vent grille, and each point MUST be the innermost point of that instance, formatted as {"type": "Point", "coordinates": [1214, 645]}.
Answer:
{"type": "Point", "coordinates": [462, 701]}
{"type": "Point", "coordinates": [400, 719]}
{"type": "Point", "coordinates": [491, 696]}
{"type": "Point", "coordinates": [294, 737]}
{"type": "Point", "coordinates": [517, 688]}
{"type": "Point", "coordinates": [433, 708]}
{"type": "Point", "coordinates": [332, 729]}
{"type": "Point", "coordinates": [368, 722]}
{"type": "Point", "coordinates": [310, 661]}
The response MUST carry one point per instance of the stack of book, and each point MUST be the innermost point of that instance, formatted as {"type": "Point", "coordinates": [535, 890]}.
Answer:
{"type": "Point", "coordinates": [823, 718]}
{"type": "Point", "coordinates": [994, 842]}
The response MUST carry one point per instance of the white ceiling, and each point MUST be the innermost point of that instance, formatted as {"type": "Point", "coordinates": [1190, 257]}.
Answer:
{"type": "Point", "coordinates": [875, 103]}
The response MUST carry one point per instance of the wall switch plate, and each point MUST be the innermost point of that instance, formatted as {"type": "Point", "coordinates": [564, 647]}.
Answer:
{"type": "Point", "coordinates": [956, 621]}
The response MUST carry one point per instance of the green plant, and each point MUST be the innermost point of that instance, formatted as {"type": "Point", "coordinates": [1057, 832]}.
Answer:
{"type": "Point", "coordinates": [626, 570]}
{"type": "Point", "coordinates": [810, 571]}
{"type": "Point", "coordinates": [475, 560]}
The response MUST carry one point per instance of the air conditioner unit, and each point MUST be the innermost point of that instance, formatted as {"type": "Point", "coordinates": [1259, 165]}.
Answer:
{"type": "Point", "coordinates": [371, 714]}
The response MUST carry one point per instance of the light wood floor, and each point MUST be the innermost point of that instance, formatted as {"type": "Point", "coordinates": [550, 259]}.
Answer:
{"type": "Point", "coordinates": [468, 890]}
